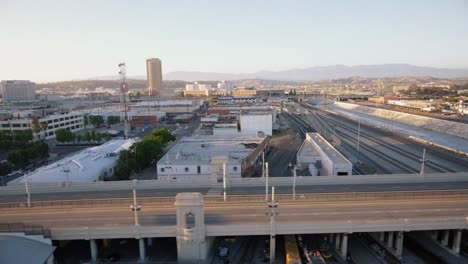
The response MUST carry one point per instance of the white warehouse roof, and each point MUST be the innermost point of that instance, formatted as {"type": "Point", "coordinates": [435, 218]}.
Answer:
{"type": "Point", "coordinates": [199, 149]}
{"type": "Point", "coordinates": [86, 166]}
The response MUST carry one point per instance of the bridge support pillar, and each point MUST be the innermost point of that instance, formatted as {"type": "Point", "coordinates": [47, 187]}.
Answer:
{"type": "Point", "coordinates": [344, 246]}
{"type": "Point", "coordinates": [192, 244]}
{"type": "Point", "coordinates": [337, 241]}
{"type": "Point", "coordinates": [390, 240]}
{"type": "Point", "coordinates": [456, 242]}
{"type": "Point", "coordinates": [142, 249]}
{"type": "Point", "coordinates": [93, 247]}
{"type": "Point", "coordinates": [381, 236]}
{"type": "Point", "coordinates": [435, 234]}
{"type": "Point", "coordinates": [445, 238]}
{"type": "Point", "coordinates": [150, 241]}
{"type": "Point", "coordinates": [399, 244]}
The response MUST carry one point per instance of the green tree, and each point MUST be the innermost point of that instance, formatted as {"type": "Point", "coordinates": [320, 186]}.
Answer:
{"type": "Point", "coordinates": [96, 121]}
{"type": "Point", "coordinates": [85, 120]}
{"type": "Point", "coordinates": [87, 136]}
{"type": "Point", "coordinates": [125, 165]}
{"type": "Point", "coordinates": [5, 168]}
{"type": "Point", "coordinates": [44, 127]}
{"type": "Point", "coordinates": [63, 135]}
{"type": "Point", "coordinates": [79, 138]}
{"type": "Point", "coordinates": [17, 158]}
{"type": "Point", "coordinates": [98, 137]}
{"type": "Point", "coordinates": [36, 127]}
{"type": "Point", "coordinates": [146, 150]}
{"type": "Point", "coordinates": [93, 135]}
{"type": "Point", "coordinates": [23, 136]}
{"type": "Point", "coordinates": [111, 120]}
{"type": "Point", "coordinates": [164, 134]}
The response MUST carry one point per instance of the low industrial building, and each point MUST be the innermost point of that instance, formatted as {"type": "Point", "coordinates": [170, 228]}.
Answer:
{"type": "Point", "coordinates": [254, 122]}
{"type": "Point", "coordinates": [137, 117]}
{"type": "Point", "coordinates": [202, 157]}
{"type": "Point", "coordinates": [321, 158]}
{"type": "Point", "coordinates": [91, 164]}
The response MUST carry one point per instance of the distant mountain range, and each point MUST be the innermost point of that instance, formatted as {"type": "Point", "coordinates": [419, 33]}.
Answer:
{"type": "Point", "coordinates": [316, 73]}
{"type": "Point", "coordinates": [326, 72]}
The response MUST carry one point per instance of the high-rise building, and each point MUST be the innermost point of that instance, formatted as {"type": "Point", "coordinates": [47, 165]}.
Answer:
{"type": "Point", "coordinates": [154, 75]}
{"type": "Point", "coordinates": [15, 90]}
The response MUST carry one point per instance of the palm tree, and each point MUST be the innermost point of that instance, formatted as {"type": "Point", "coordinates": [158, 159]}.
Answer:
{"type": "Point", "coordinates": [44, 127]}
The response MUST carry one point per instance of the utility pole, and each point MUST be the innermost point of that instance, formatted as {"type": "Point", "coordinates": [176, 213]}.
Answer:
{"type": "Point", "coordinates": [26, 186]}
{"type": "Point", "coordinates": [66, 170]}
{"type": "Point", "coordinates": [266, 181]}
{"type": "Point", "coordinates": [263, 163]}
{"type": "Point", "coordinates": [423, 161]}
{"type": "Point", "coordinates": [135, 208]}
{"type": "Point", "coordinates": [358, 138]}
{"type": "Point", "coordinates": [124, 97]}
{"type": "Point", "coordinates": [272, 204]}
{"type": "Point", "coordinates": [224, 181]}
{"type": "Point", "coordinates": [294, 182]}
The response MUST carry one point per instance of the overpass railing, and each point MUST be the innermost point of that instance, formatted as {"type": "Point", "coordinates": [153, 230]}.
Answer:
{"type": "Point", "coordinates": [168, 202]}
{"type": "Point", "coordinates": [23, 228]}
{"type": "Point", "coordinates": [61, 187]}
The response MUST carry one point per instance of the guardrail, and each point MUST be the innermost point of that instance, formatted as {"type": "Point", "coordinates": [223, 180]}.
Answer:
{"type": "Point", "coordinates": [233, 182]}
{"type": "Point", "coordinates": [26, 229]}
{"type": "Point", "coordinates": [251, 200]}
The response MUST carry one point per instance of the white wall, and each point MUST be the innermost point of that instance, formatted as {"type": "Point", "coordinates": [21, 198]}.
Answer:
{"type": "Point", "coordinates": [251, 124]}
{"type": "Point", "coordinates": [179, 171]}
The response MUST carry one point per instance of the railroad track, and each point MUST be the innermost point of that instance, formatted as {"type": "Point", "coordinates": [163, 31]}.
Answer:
{"type": "Point", "coordinates": [383, 156]}
{"type": "Point", "coordinates": [411, 156]}
{"type": "Point", "coordinates": [342, 121]}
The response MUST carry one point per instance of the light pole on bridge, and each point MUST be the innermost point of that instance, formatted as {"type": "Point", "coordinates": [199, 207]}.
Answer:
{"type": "Point", "coordinates": [294, 179]}
{"type": "Point", "coordinates": [26, 187]}
{"type": "Point", "coordinates": [423, 161]}
{"type": "Point", "coordinates": [135, 208]}
{"type": "Point", "coordinates": [272, 204]}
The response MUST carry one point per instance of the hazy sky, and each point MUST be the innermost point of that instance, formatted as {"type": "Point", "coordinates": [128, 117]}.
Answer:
{"type": "Point", "coordinates": [60, 40]}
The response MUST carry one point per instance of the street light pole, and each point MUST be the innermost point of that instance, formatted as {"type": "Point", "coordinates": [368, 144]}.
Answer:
{"type": "Point", "coordinates": [294, 182]}
{"type": "Point", "coordinates": [263, 164]}
{"type": "Point", "coordinates": [266, 181]}
{"type": "Point", "coordinates": [135, 208]}
{"type": "Point", "coordinates": [358, 138]}
{"type": "Point", "coordinates": [272, 204]}
{"type": "Point", "coordinates": [423, 161]}
{"type": "Point", "coordinates": [26, 186]}
{"type": "Point", "coordinates": [224, 181]}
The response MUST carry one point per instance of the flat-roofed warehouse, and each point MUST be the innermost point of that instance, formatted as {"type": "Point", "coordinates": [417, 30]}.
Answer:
{"type": "Point", "coordinates": [88, 165]}
{"type": "Point", "coordinates": [322, 158]}
{"type": "Point", "coordinates": [202, 157]}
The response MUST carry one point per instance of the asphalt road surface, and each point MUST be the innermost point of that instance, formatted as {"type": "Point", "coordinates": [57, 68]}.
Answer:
{"type": "Point", "coordinates": [300, 189]}
{"type": "Point", "coordinates": [241, 213]}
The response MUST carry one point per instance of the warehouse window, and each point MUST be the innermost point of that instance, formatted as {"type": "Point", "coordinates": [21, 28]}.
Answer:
{"type": "Point", "coordinates": [341, 173]}
{"type": "Point", "coordinates": [234, 168]}
{"type": "Point", "coordinates": [198, 169]}
{"type": "Point", "coordinates": [186, 169]}
{"type": "Point", "coordinates": [162, 169]}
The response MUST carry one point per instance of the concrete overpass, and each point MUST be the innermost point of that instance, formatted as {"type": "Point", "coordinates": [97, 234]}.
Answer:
{"type": "Point", "coordinates": [388, 214]}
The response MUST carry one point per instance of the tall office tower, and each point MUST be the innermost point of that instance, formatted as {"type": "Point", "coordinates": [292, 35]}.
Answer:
{"type": "Point", "coordinates": [154, 75]}
{"type": "Point", "coordinates": [18, 91]}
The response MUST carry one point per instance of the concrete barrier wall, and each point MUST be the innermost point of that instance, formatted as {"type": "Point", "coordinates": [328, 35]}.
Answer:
{"type": "Point", "coordinates": [444, 126]}
{"type": "Point", "coordinates": [281, 227]}
{"type": "Point", "coordinates": [240, 182]}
